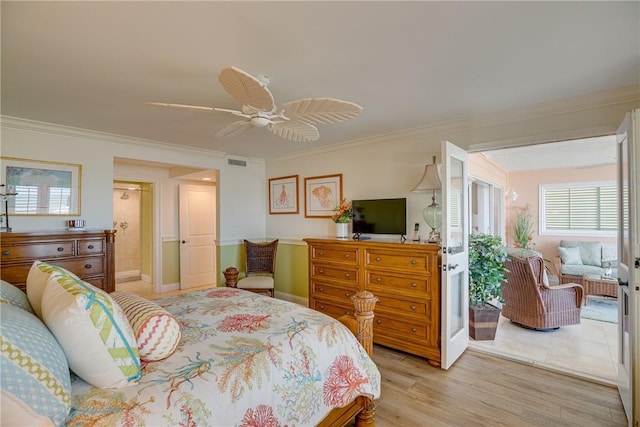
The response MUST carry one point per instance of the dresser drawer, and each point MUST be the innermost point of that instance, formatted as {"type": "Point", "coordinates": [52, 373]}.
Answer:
{"type": "Point", "coordinates": [380, 258]}
{"type": "Point", "coordinates": [319, 289]}
{"type": "Point", "coordinates": [335, 254]}
{"type": "Point", "coordinates": [38, 250]}
{"type": "Point", "coordinates": [90, 247]}
{"type": "Point", "coordinates": [402, 307]}
{"type": "Point", "coordinates": [330, 272]}
{"type": "Point", "coordinates": [380, 282]}
{"type": "Point", "coordinates": [386, 326]}
{"type": "Point", "coordinates": [89, 266]}
{"type": "Point", "coordinates": [333, 310]}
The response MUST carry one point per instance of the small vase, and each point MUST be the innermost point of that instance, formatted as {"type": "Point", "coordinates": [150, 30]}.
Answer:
{"type": "Point", "coordinates": [342, 229]}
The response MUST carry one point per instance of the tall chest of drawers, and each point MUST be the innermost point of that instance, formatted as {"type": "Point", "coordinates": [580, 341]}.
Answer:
{"type": "Point", "coordinates": [87, 254]}
{"type": "Point", "coordinates": [404, 276]}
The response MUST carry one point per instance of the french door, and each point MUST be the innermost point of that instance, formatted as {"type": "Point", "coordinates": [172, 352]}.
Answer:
{"type": "Point", "coordinates": [629, 265]}
{"type": "Point", "coordinates": [455, 254]}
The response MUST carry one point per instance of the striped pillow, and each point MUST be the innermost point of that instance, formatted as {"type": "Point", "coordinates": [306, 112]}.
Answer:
{"type": "Point", "coordinates": [92, 330]}
{"type": "Point", "coordinates": [157, 331]}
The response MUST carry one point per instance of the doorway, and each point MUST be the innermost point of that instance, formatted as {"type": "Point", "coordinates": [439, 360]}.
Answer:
{"type": "Point", "coordinates": [589, 349]}
{"type": "Point", "coordinates": [133, 220]}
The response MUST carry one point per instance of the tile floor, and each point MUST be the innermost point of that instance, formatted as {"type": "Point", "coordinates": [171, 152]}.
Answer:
{"type": "Point", "coordinates": [588, 350]}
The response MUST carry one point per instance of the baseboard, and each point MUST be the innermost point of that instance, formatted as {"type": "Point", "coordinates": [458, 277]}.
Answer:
{"type": "Point", "coordinates": [292, 298]}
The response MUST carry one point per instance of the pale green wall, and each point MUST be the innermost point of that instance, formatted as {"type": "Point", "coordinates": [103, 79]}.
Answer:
{"type": "Point", "coordinates": [170, 262]}
{"type": "Point", "coordinates": [291, 266]}
{"type": "Point", "coordinates": [146, 230]}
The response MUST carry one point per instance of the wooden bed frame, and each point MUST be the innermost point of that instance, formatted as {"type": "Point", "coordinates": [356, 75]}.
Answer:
{"type": "Point", "coordinates": [361, 325]}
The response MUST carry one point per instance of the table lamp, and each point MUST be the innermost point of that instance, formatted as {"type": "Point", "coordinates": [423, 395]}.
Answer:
{"type": "Point", "coordinates": [432, 214]}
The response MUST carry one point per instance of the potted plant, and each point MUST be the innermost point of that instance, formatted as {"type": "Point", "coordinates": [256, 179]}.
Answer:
{"type": "Point", "coordinates": [486, 274]}
{"type": "Point", "coordinates": [523, 228]}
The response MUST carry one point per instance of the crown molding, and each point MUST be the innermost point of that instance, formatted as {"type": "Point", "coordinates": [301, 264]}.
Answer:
{"type": "Point", "coordinates": [72, 132]}
{"type": "Point", "coordinates": [624, 95]}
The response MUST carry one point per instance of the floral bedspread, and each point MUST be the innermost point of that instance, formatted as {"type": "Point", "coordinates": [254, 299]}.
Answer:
{"type": "Point", "coordinates": [244, 360]}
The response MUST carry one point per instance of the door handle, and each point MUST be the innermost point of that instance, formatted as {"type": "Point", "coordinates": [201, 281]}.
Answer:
{"type": "Point", "coordinates": [621, 283]}
{"type": "Point", "coordinates": [450, 267]}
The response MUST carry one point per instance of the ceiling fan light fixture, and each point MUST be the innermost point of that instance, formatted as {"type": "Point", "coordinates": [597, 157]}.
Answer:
{"type": "Point", "coordinates": [260, 122]}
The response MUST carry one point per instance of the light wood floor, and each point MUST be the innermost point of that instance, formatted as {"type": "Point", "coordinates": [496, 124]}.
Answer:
{"type": "Point", "coordinates": [478, 390]}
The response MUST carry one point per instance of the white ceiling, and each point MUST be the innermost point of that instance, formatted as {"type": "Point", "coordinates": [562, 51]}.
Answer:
{"type": "Point", "coordinates": [94, 65]}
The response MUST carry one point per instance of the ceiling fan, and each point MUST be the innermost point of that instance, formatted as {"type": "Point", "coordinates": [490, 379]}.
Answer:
{"type": "Point", "coordinates": [294, 120]}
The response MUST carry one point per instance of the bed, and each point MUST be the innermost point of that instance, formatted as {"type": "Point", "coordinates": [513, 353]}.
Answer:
{"type": "Point", "coordinates": [246, 360]}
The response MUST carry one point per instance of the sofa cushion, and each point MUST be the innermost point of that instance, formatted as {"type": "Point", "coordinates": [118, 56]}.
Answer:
{"type": "Point", "coordinates": [609, 255]}
{"type": "Point", "coordinates": [570, 256]}
{"type": "Point", "coordinates": [591, 253]}
{"type": "Point", "coordinates": [579, 270]}
{"type": "Point", "coordinates": [36, 385]}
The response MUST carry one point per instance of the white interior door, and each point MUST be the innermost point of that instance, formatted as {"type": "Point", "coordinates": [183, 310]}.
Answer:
{"type": "Point", "coordinates": [197, 235]}
{"type": "Point", "coordinates": [629, 266]}
{"type": "Point", "coordinates": [455, 254]}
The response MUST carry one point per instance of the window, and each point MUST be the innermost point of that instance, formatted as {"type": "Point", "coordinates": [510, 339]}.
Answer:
{"type": "Point", "coordinates": [486, 208]}
{"type": "Point", "coordinates": [579, 208]}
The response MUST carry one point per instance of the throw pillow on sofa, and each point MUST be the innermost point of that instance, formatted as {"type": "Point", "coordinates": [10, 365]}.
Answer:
{"type": "Point", "coordinates": [36, 385]}
{"type": "Point", "coordinates": [157, 332]}
{"type": "Point", "coordinates": [570, 256]}
{"type": "Point", "coordinates": [92, 330]}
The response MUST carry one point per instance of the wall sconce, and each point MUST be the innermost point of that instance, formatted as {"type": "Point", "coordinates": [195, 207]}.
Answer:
{"type": "Point", "coordinates": [511, 195]}
{"type": "Point", "coordinates": [432, 214]}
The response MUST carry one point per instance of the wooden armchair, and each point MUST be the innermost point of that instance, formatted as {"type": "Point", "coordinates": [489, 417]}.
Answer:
{"type": "Point", "coordinates": [531, 303]}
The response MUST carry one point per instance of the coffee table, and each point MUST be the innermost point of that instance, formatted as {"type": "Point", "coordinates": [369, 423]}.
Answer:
{"type": "Point", "coordinates": [595, 284]}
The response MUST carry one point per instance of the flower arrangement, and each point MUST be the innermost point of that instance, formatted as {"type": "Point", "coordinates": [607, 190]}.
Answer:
{"type": "Point", "coordinates": [343, 212]}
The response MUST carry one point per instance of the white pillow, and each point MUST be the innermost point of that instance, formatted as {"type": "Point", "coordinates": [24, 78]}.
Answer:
{"type": "Point", "coordinates": [92, 330]}
{"type": "Point", "coordinates": [37, 282]}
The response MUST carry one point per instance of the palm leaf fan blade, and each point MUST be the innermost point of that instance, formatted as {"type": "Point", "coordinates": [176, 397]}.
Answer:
{"type": "Point", "coordinates": [320, 110]}
{"type": "Point", "coordinates": [246, 89]}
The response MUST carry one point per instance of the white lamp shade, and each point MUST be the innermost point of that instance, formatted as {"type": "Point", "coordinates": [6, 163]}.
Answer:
{"type": "Point", "coordinates": [430, 179]}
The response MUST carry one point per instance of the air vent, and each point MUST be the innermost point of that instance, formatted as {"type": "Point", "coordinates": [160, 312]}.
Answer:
{"type": "Point", "coordinates": [236, 162]}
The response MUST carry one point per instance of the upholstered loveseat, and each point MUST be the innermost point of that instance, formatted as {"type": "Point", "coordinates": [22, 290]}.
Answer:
{"type": "Point", "coordinates": [577, 257]}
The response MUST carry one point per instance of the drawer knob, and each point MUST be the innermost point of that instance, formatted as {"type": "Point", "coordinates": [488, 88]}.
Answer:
{"type": "Point", "coordinates": [321, 289]}
{"type": "Point", "coordinates": [414, 262]}
{"type": "Point", "coordinates": [322, 307]}
{"type": "Point", "coordinates": [60, 249]}
{"type": "Point", "coordinates": [379, 279]}
{"type": "Point", "coordinates": [90, 246]}
{"type": "Point", "coordinates": [379, 321]}
{"type": "Point", "coordinates": [413, 285]}
{"type": "Point", "coordinates": [88, 266]}
{"type": "Point", "coordinates": [377, 258]}
{"type": "Point", "coordinates": [346, 255]}
{"type": "Point", "coordinates": [347, 275]}
{"type": "Point", "coordinates": [6, 252]}
{"type": "Point", "coordinates": [321, 271]}
{"type": "Point", "coordinates": [347, 294]}
{"type": "Point", "coordinates": [321, 253]}
{"type": "Point", "coordinates": [413, 307]}
{"type": "Point", "coordinates": [414, 330]}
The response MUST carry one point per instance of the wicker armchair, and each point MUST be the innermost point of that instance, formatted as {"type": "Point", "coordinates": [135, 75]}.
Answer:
{"type": "Point", "coordinates": [260, 268]}
{"type": "Point", "coordinates": [530, 303]}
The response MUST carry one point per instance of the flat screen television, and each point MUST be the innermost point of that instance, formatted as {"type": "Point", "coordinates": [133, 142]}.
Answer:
{"type": "Point", "coordinates": [379, 216]}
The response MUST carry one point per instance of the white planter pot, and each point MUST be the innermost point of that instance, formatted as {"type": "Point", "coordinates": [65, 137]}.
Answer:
{"type": "Point", "coordinates": [342, 229]}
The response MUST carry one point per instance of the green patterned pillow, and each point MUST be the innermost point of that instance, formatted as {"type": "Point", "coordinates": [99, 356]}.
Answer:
{"type": "Point", "coordinates": [37, 282]}
{"type": "Point", "coordinates": [36, 385]}
{"type": "Point", "coordinates": [92, 330]}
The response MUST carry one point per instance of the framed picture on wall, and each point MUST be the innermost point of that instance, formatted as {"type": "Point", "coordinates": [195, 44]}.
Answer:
{"type": "Point", "coordinates": [43, 188]}
{"type": "Point", "coordinates": [321, 195]}
{"type": "Point", "coordinates": [283, 195]}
